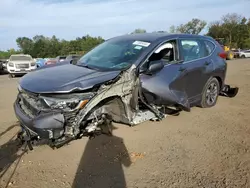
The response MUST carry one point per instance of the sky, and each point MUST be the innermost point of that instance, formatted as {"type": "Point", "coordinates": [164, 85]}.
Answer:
{"type": "Point", "coordinates": [68, 19]}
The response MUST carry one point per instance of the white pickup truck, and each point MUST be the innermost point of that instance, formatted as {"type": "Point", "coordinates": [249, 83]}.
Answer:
{"type": "Point", "coordinates": [20, 64]}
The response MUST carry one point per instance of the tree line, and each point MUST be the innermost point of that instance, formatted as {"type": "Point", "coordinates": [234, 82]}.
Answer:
{"type": "Point", "coordinates": [233, 29]}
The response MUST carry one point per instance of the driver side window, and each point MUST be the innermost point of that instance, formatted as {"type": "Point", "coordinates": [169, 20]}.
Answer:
{"type": "Point", "coordinates": [165, 52]}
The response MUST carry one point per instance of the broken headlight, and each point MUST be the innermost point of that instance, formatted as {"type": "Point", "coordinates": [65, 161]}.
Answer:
{"type": "Point", "coordinates": [67, 101]}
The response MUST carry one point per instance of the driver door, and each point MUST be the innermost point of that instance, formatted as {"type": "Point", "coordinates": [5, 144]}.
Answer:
{"type": "Point", "coordinates": [167, 85]}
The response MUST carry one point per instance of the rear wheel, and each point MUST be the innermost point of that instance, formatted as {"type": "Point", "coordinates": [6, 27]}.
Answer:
{"type": "Point", "coordinates": [210, 93]}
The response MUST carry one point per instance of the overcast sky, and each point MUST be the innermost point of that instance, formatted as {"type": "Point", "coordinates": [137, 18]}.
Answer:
{"type": "Point", "coordinates": [69, 19]}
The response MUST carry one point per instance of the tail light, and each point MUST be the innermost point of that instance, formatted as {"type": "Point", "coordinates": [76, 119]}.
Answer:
{"type": "Point", "coordinates": [223, 55]}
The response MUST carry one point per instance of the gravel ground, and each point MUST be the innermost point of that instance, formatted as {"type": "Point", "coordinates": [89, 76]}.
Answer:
{"type": "Point", "coordinates": [203, 148]}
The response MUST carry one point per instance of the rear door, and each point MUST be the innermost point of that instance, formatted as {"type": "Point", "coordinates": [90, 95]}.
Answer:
{"type": "Point", "coordinates": [197, 64]}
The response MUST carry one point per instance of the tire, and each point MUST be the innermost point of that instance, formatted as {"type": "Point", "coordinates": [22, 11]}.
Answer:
{"type": "Point", "coordinates": [243, 56]}
{"type": "Point", "coordinates": [210, 93]}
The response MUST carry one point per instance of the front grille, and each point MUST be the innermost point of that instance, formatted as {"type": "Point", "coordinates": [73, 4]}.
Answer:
{"type": "Point", "coordinates": [22, 66]}
{"type": "Point", "coordinates": [30, 104]}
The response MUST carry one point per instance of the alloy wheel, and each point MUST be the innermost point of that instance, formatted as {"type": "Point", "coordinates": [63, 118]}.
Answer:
{"type": "Point", "coordinates": [211, 93]}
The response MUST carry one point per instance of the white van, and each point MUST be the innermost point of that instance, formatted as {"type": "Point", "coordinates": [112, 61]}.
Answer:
{"type": "Point", "coordinates": [20, 64]}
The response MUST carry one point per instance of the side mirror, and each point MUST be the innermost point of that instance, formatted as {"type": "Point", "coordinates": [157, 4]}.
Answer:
{"type": "Point", "coordinates": [155, 66]}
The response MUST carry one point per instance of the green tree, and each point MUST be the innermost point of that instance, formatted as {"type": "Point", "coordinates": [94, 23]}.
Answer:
{"type": "Point", "coordinates": [195, 26]}
{"type": "Point", "coordinates": [233, 28]}
{"type": "Point", "coordinates": [25, 44]}
{"type": "Point", "coordinates": [41, 46]}
{"type": "Point", "coordinates": [172, 29]}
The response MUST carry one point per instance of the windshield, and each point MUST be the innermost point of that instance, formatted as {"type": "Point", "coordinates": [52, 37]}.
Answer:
{"type": "Point", "coordinates": [113, 55]}
{"type": "Point", "coordinates": [20, 58]}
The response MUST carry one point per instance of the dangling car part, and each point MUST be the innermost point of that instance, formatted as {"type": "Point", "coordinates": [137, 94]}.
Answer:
{"type": "Point", "coordinates": [229, 91]}
{"type": "Point", "coordinates": [128, 79]}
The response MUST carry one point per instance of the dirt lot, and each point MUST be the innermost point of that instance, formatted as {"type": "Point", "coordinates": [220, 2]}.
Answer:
{"type": "Point", "coordinates": [203, 148]}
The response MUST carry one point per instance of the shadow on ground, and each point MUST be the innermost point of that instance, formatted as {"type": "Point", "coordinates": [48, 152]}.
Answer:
{"type": "Point", "coordinates": [101, 163]}
{"type": "Point", "coordinates": [9, 153]}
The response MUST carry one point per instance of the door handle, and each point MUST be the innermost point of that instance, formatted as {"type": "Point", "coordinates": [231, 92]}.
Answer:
{"type": "Point", "coordinates": [207, 63]}
{"type": "Point", "coordinates": [182, 69]}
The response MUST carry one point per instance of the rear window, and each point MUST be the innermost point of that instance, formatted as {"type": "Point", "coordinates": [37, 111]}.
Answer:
{"type": "Point", "coordinates": [62, 57]}
{"type": "Point", "coordinates": [20, 58]}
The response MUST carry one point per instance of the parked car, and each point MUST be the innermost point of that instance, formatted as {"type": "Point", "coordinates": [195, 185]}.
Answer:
{"type": "Point", "coordinates": [60, 58]}
{"type": "Point", "coordinates": [40, 62]}
{"type": "Point", "coordinates": [5, 64]}
{"type": "Point", "coordinates": [128, 79]}
{"type": "Point", "coordinates": [50, 61]}
{"type": "Point", "coordinates": [244, 54]}
{"type": "Point", "coordinates": [20, 64]}
{"type": "Point", "coordinates": [72, 58]}
{"type": "Point", "coordinates": [1, 66]}
{"type": "Point", "coordinates": [236, 53]}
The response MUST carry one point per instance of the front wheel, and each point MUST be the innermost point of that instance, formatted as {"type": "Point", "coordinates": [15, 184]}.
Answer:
{"type": "Point", "coordinates": [243, 56]}
{"type": "Point", "coordinates": [210, 93]}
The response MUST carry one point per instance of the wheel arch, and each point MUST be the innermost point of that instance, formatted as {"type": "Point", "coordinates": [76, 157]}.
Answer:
{"type": "Point", "coordinates": [113, 106]}
{"type": "Point", "coordinates": [219, 80]}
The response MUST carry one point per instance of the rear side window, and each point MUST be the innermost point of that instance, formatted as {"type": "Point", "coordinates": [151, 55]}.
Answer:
{"type": "Point", "coordinates": [209, 47]}
{"type": "Point", "coordinates": [192, 49]}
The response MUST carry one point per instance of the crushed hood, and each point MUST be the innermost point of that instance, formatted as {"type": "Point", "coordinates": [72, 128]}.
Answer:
{"type": "Point", "coordinates": [64, 79]}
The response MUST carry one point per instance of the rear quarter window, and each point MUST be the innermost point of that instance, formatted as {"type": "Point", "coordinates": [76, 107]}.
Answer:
{"type": "Point", "coordinates": [192, 49]}
{"type": "Point", "coordinates": [209, 46]}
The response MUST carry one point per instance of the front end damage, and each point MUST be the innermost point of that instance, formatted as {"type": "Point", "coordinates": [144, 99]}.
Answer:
{"type": "Point", "coordinates": [89, 113]}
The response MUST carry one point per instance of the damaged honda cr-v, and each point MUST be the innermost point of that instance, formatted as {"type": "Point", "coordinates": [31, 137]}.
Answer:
{"type": "Point", "coordinates": [127, 79]}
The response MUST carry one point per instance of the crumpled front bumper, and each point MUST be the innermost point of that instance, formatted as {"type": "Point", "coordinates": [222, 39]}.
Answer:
{"type": "Point", "coordinates": [46, 125]}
